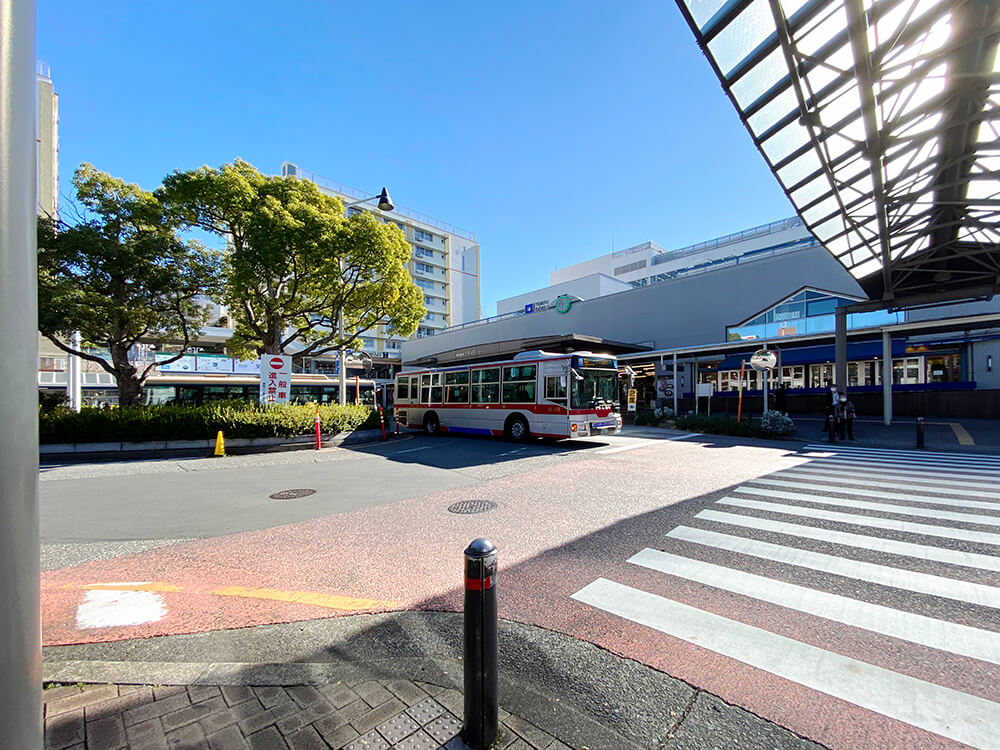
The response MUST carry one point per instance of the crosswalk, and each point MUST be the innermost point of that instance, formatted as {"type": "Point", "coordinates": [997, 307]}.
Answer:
{"type": "Point", "coordinates": [895, 544]}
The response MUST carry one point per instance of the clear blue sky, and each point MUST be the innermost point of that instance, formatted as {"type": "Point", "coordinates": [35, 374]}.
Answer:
{"type": "Point", "coordinates": [546, 128]}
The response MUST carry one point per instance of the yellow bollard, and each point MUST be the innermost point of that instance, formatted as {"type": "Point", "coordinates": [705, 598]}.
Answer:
{"type": "Point", "coordinates": [220, 444]}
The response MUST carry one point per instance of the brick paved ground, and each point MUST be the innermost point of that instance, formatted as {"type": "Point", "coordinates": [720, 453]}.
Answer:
{"type": "Point", "coordinates": [354, 715]}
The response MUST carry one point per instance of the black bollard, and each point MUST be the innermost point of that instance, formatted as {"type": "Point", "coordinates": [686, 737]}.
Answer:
{"type": "Point", "coordinates": [920, 432]}
{"type": "Point", "coordinates": [481, 713]}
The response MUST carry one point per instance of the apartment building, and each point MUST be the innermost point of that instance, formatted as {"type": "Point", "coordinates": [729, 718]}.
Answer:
{"type": "Point", "coordinates": [445, 265]}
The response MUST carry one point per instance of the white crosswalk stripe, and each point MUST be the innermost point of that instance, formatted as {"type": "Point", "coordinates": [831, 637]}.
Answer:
{"type": "Point", "coordinates": [900, 467]}
{"type": "Point", "coordinates": [950, 713]}
{"type": "Point", "coordinates": [917, 457]}
{"type": "Point", "coordinates": [902, 510]}
{"type": "Point", "coordinates": [855, 479]}
{"type": "Point", "coordinates": [948, 496]}
{"type": "Point", "coordinates": [868, 492]}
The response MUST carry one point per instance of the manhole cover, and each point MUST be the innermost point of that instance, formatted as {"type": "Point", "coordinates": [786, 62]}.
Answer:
{"type": "Point", "coordinates": [471, 506]}
{"type": "Point", "coordinates": [292, 494]}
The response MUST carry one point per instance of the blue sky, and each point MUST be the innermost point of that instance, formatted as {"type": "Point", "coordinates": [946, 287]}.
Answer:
{"type": "Point", "coordinates": [548, 129]}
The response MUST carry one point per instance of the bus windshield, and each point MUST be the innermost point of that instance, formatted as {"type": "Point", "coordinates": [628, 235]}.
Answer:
{"type": "Point", "coordinates": [595, 389]}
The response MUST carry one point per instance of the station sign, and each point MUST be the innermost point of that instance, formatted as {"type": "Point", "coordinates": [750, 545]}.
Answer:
{"type": "Point", "coordinates": [763, 359]}
{"type": "Point", "coordinates": [632, 398]}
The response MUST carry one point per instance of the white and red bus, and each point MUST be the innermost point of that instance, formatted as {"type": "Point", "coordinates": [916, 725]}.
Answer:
{"type": "Point", "coordinates": [534, 394]}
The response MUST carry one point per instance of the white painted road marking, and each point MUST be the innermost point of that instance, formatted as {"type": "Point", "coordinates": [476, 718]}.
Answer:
{"type": "Point", "coordinates": [866, 492]}
{"type": "Point", "coordinates": [906, 468]}
{"type": "Point", "coordinates": [861, 541]}
{"type": "Point", "coordinates": [950, 713]}
{"type": "Point", "coordinates": [685, 437]}
{"type": "Point", "coordinates": [933, 457]}
{"type": "Point", "coordinates": [633, 446]}
{"type": "Point", "coordinates": [826, 476]}
{"type": "Point", "coordinates": [910, 527]}
{"type": "Point", "coordinates": [926, 631]}
{"type": "Point", "coordinates": [110, 609]}
{"type": "Point", "coordinates": [413, 450]}
{"type": "Point", "coordinates": [924, 583]}
{"type": "Point", "coordinates": [925, 480]}
{"type": "Point", "coordinates": [903, 510]}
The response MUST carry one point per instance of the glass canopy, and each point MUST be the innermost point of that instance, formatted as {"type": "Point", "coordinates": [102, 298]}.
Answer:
{"type": "Point", "coordinates": [881, 121]}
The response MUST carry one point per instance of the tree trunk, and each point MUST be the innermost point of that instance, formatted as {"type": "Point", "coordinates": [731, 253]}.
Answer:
{"type": "Point", "coordinates": [129, 387]}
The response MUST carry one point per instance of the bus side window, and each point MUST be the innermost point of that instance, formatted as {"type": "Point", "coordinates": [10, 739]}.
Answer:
{"type": "Point", "coordinates": [425, 388]}
{"type": "Point", "coordinates": [519, 384]}
{"type": "Point", "coordinates": [457, 386]}
{"type": "Point", "coordinates": [486, 386]}
{"type": "Point", "coordinates": [402, 389]}
{"type": "Point", "coordinates": [555, 388]}
{"type": "Point", "coordinates": [436, 388]}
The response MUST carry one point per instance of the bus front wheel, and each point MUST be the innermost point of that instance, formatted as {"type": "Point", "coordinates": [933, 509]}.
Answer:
{"type": "Point", "coordinates": [432, 425]}
{"type": "Point", "coordinates": [517, 429]}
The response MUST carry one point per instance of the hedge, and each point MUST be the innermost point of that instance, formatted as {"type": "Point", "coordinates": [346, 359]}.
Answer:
{"type": "Point", "coordinates": [236, 419]}
{"type": "Point", "coordinates": [723, 425]}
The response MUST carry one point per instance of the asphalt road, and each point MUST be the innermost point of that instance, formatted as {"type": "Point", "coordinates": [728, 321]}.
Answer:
{"type": "Point", "coordinates": [850, 597]}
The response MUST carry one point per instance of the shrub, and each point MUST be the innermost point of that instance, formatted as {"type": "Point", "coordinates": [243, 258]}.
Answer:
{"type": "Point", "coordinates": [776, 423]}
{"type": "Point", "coordinates": [772, 424]}
{"type": "Point", "coordinates": [236, 419]}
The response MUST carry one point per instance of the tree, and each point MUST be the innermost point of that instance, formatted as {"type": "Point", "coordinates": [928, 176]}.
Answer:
{"type": "Point", "coordinates": [294, 262]}
{"type": "Point", "coordinates": [120, 275]}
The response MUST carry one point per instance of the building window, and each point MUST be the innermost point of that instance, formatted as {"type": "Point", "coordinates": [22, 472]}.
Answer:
{"type": "Point", "coordinates": [423, 236]}
{"type": "Point", "coordinates": [52, 364]}
{"type": "Point", "coordinates": [424, 268]}
{"type": "Point", "coordinates": [429, 316]}
{"type": "Point", "coordinates": [630, 267]}
{"type": "Point", "coordinates": [421, 332]}
{"type": "Point", "coordinates": [423, 252]}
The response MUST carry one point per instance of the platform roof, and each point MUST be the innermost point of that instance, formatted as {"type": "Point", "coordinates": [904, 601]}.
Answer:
{"type": "Point", "coordinates": [881, 121]}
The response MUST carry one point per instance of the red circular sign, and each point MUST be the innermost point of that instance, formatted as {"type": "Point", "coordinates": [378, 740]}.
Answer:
{"type": "Point", "coordinates": [277, 363]}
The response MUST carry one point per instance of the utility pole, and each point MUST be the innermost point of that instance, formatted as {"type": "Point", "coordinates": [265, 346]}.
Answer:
{"type": "Point", "coordinates": [20, 613]}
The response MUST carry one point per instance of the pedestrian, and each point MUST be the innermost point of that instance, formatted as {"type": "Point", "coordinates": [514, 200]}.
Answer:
{"type": "Point", "coordinates": [781, 398]}
{"type": "Point", "coordinates": [847, 416]}
{"type": "Point", "coordinates": [831, 402]}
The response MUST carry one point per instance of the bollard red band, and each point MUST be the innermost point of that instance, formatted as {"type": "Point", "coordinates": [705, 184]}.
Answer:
{"type": "Point", "coordinates": [474, 584]}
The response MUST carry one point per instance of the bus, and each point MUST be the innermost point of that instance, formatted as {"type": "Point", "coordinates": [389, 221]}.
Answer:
{"type": "Point", "coordinates": [535, 394]}
{"type": "Point", "coordinates": [196, 388]}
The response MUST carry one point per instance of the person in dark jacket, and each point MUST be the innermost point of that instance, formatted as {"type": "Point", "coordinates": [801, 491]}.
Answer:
{"type": "Point", "coordinates": [846, 415]}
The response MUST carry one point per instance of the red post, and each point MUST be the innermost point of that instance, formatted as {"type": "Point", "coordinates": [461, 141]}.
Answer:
{"type": "Point", "coordinates": [319, 443]}
{"type": "Point", "coordinates": [381, 420]}
{"type": "Point", "coordinates": [357, 389]}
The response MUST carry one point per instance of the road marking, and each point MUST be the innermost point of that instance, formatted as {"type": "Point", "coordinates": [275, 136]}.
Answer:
{"type": "Point", "coordinates": [685, 437]}
{"type": "Point", "coordinates": [903, 510]}
{"type": "Point", "coordinates": [926, 631]}
{"type": "Point", "coordinates": [908, 580]}
{"type": "Point", "coordinates": [944, 711]}
{"type": "Point", "coordinates": [905, 467]}
{"type": "Point", "coordinates": [891, 524]}
{"type": "Point", "coordinates": [117, 608]}
{"type": "Point", "coordinates": [413, 450]}
{"type": "Point", "coordinates": [862, 476]}
{"type": "Point", "coordinates": [619, 449]}
{"type": "Point", "coordinates": [861, 541]}
{"type": "Point", "coordinates": [963, 503]}
{"type": "Point", "coordinates": [139, 586]}
{"type": "Point", "coordinates": [961, 434]}
{"type": "Point", "coordinates": [825, 476]}
{"type": "Point", "coordinates": [924, 456]}
{"type": "Point", "coordinates": [516, 450]}
{"type": "Point", "coordinates": [330, 601]}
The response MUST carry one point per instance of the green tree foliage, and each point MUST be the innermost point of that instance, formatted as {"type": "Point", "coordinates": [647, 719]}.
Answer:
{"type": "Point", "coordinates": [119, 276]}
{"type": "Point", "coordinates": [294, 262]}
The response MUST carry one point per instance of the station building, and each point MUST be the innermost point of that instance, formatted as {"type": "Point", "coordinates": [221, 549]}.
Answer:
{"type": "Point", "coordinates": [710, 307]}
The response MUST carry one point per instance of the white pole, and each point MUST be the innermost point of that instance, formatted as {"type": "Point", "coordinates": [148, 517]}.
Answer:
{"type": "Point", "coordinates": [341, 354]}
{"type": "Point", "coordinates": [765, 372]}
{"type": "Point", "coordinates": [75, 374]}
{"type": "Point", "coordinates": [20, 611]}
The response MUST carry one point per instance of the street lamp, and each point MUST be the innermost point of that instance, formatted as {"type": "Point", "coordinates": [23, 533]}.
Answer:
{"type": "Point", "coordinates": [384, 204]}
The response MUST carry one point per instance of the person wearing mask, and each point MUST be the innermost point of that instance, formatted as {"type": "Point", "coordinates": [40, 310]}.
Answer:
{"type": "Point", "coordinates": [830, 407]}
{"type": "Point", "coordinates": [846, 415]}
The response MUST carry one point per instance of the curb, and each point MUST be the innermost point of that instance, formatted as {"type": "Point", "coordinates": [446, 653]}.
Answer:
{"type": "Point", "coordinates": [64, 451]}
